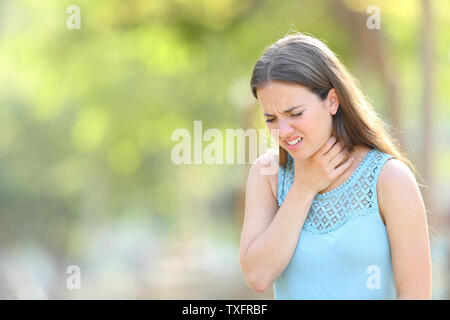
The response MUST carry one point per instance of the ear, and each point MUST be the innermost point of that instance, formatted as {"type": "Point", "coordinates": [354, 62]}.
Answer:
{"type": "Point", "coordinates": [332, 101]}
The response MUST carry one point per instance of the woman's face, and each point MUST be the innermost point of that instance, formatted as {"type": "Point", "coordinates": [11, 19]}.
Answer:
{"type": "Point", "coordinates": [298, 113]}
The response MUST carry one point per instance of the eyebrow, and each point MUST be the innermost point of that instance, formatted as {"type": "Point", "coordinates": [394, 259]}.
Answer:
{"type": "Point", "coordinates": [285, 111]}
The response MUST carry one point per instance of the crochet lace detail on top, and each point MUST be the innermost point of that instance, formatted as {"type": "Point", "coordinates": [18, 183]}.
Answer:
{"type": "Point", "coordinates": [356, 196]}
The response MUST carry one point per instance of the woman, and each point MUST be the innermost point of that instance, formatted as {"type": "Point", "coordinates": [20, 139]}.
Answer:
{"type": "Point", "coordinates": [343, 218]}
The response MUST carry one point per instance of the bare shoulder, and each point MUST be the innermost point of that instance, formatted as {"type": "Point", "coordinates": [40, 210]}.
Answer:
{"type": "Point", "coordinates": [395, 173]}
{"type": "Point", "coordinates": [266, 166]}
{"type": "Point", "coordinates": [397, 188]}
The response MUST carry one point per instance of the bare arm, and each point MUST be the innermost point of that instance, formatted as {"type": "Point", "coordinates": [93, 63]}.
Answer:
{"type": "Point", "coordinates": [270, 234]}
{"type": "Point", "coordinates": [403, 209]}
{"type": "Point", "coordinates": [264, 259]}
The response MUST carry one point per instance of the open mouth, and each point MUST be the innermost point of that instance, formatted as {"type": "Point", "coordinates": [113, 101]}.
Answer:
{"type": "Point", "coordinates": [293, 143]}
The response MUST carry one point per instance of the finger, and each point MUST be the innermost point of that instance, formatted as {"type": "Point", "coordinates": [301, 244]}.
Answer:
{"type": "Point", "coordinates": [334, 151]}
{"type": "Point", "coordinates": [339, 170]}
{"type": "Point", "coordinates": [326, 147]}
{"type": "Point", "coordinates": [340, 157]}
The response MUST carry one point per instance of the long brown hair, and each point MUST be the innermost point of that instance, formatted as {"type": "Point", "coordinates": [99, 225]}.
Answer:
{"type": "Point", "coordinates": [309, 62]}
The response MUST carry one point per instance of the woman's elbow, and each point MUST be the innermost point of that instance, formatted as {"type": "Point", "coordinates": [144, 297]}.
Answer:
{"type": "Point", "coordinates": [257, 285]}
{"type": "Point", "coordinates": [254, 280]}
{"type": "Point", "coordinates": [257, 278]}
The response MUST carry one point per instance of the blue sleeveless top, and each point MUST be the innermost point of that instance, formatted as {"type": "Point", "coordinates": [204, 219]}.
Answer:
{"type": "Point", "coordinates": [343, 250]}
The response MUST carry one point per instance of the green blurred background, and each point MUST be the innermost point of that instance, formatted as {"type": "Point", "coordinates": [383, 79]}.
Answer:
{"type": "Point", "coordinates": [86, 118]}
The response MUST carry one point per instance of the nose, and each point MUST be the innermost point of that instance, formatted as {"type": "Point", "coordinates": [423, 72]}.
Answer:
{"type": "Point", "coordinates": [285, 129]}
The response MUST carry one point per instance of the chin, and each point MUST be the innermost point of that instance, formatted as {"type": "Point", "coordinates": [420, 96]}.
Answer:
{"type": "Point", "coordinates": [297, 154]}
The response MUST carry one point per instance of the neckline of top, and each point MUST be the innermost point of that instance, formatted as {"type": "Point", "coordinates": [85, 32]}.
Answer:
{"type": "Point", "coordinates": [349, 179]}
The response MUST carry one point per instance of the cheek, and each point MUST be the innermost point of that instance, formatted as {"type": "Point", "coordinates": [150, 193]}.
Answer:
{"type": "Point", "coordinates": [316, 121]}
{"type": "Point", "coordinates": [305, 124]}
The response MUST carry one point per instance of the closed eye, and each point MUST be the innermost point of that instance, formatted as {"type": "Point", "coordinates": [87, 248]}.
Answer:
{"type": "Point", "coordinates": [294, 115]}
